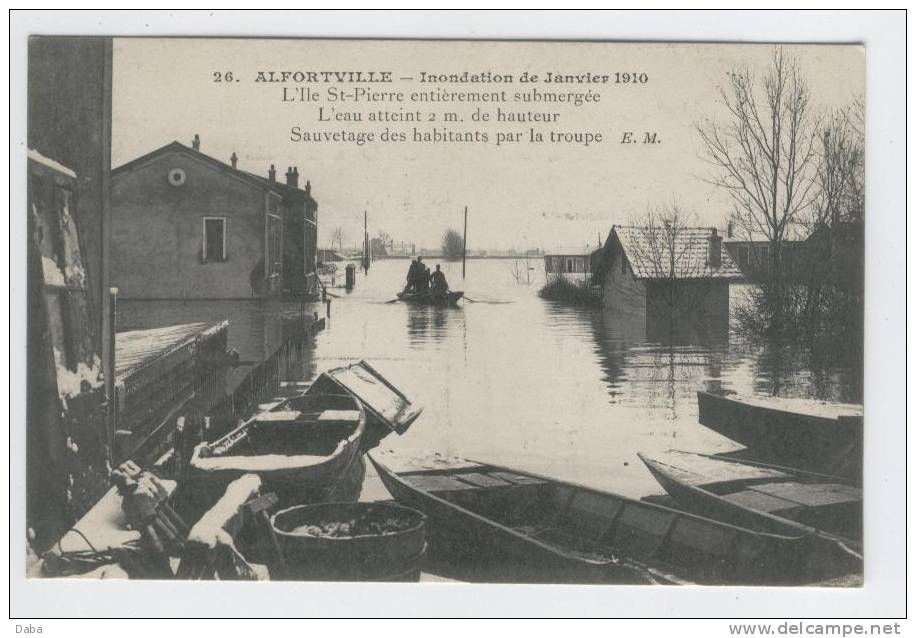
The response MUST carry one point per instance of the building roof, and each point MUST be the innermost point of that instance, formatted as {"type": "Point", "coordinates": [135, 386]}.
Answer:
{"type": "Point", "coordinates": [649, 251]}
{"type": "Point", "coordinates": [177, 147]}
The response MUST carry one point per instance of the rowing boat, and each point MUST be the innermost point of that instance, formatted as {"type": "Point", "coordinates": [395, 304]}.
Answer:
{"type": "Point", "coordinates": [429, 298]}
{"type": "Point", "coordinates": [387, 408]}
{"type": "Point", "coordinates": [522, 527]}
{"type": "Point", "coordinates": [764, 497]}
{"type": "Point", "coordinates": [818, 434]}
{"type": "Point", "coordinates": [301, 447]}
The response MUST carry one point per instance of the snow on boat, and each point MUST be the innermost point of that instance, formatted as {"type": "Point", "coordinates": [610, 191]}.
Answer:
{"type": "Point", "coordinates": [302, 446]}
{"type": "Point", "coordinates": [819, 434]}
{"type": "Point", "coordinates": [528, 528]}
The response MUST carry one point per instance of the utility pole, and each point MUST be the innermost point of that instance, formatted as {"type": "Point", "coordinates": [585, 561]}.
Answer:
{"type": "Point", "coordinates": [464, 248]}
{"type": "Point", "coordinates": [365, 241]}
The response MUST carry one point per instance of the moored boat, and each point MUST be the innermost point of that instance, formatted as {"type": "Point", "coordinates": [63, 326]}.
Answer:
{"type": "Point", "coordinates": [817, 434]}
{"type": "Point", "coordinates": [764, 497]}
{"type": "Point", "coordinates": [387, 408]}
{"type": "Point", "coordinates": [301, 448]}
{"type": "Point", "coordinates": [429, 298]}
{"type": "Point", "coordinates": [523, 527]}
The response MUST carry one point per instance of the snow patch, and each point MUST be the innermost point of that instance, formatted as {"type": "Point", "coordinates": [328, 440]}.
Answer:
{"type": "Point", "coordinates": [70, 382]}
{"type": "Point", "coordinates": [35, 156]}
{"type": "Point", "coordinates": [52, 272]}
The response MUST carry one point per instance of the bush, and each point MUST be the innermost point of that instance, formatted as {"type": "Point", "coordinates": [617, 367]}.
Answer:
{"type": "Point", "coordinates": [578, 294]}
{"type": "Point", "coordinates": [452, 245]}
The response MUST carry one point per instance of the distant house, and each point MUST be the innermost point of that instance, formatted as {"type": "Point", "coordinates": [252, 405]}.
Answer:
{"type": "Point", "coordinates": [684, 274]}
{"type": "Point", "coordinates": [573, 264]}
{"type": "Point", "coordinates": [752, 254]}
{"type": "Point", "coordinates": [188, 226]}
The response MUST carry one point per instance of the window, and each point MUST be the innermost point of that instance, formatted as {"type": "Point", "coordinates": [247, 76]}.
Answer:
{"type": "Point", "coordinates": [763, 255]}
{"type": "Point", "coordinates": [214, 244]}
{"type": "Point", "coordinates": [570, 265]}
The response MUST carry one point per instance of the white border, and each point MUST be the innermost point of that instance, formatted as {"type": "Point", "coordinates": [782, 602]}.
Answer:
{"type": "Point", "coordinates": [883, 595]}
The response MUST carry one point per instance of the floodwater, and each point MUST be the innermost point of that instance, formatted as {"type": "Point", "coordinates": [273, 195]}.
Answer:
{"type": "Point", "coordinates": [514, 380]}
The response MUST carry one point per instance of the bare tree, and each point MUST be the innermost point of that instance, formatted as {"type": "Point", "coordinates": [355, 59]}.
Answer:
{"type": "Point", "coordinates": [832, 298]}
{"type": "Point", "coordinates": [840, 173]}
{"type": "Point", "coordinates": [765, 154]}
{"type": "Point", "coordinates": [337, 237]}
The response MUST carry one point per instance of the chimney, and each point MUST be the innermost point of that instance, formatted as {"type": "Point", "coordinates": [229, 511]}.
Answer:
{"type": "Point", "coordinates": [292, 177]}
{"type": "Point", "coordinates": [272, 173]}
{"type": "Point", "coordinates": [714, 251]}
{"type": "Point", "coordinates": [234, 159]}
{"type": "Point", "coordinates": [308, 187]}
{"type": "Point", "coordinates": [195, 143]}
{"type": "Point", "coordinates": [731, 229]}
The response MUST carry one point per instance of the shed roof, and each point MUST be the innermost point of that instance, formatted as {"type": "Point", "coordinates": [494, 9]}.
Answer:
{"type": "Point", "coordinates": [649, 251]}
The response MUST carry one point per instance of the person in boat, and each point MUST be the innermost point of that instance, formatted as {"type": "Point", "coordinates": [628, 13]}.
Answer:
{"type": "Point", "coordinates": [438, 284]}
{"type": "Point", "coordinates": [422, 277]}
{"type": "Point", "coordinates": [412, 277]}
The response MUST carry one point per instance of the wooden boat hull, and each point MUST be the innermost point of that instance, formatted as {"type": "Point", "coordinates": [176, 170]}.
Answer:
{"type": "Point", "coordinates": [449, 298]}
{"type": "Point", "coordinates": [387, 408]}
{"type": "Point", "coordinates": [301, 460]}
{"type": "Point", "coordinates": [749, 501]}
{"type": "Point", "coordinates": [826, 442]}
{"type": "Point", "coordinates": [650, 543]}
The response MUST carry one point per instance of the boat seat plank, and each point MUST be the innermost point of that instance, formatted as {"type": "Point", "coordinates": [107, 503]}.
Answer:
{"type": "Point", "coordinates": [279, 415]}
{"type": "Point", "coordinates": [759, 501]}
{"type": "Point", "coordinates": [812, 495]}
{"type": "Point", "coordinates": [518, 479]}
{"type": "Point", "coordinates": [437, 483]}
{"type": "Point", "coordinates": [339, 415]}
{"type": "Point", "coordinates": [482, 480]}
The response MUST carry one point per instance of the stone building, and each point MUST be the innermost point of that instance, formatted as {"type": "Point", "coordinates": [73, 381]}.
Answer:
{"type": "Point", "coordinates": [189, 226]}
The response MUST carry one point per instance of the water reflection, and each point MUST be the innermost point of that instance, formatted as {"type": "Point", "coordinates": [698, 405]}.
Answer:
{"type": "Point", "coordinates": [519, 381]}
{"type": "Point", "coordinates": [431, 324]}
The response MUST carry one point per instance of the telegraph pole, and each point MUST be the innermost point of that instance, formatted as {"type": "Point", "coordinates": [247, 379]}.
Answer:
{"type": "Point", "coordinates": [365, 241]}
{"type": "Point", "coordinates": [464, 248]}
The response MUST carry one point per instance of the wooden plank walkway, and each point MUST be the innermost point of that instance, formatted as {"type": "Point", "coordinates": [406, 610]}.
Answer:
{"type": "Point", "coordinates": [135, 349]}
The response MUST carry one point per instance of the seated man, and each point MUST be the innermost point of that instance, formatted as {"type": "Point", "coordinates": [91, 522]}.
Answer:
{"type": "Point", "coordinates": [437, 279]}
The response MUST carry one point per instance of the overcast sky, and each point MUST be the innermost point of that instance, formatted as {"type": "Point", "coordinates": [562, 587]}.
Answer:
{"type": "Point", "coordinates": [522, 195]}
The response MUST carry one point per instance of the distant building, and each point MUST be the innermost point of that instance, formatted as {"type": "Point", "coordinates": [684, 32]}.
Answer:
{"type": "Point", "coordinates": [752, 254]}
{"type": "Point", "coordinates": [667, 278]}
{"type": "Point", "coordinates": [378, 247]}
{"type": "Point", "coordinates": [573, 264]}
{"type": "Point", "coordinates": [188, 226]}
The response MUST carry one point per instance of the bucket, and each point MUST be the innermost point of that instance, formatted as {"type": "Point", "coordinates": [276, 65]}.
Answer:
{"type": "Point", "coordinates": [351, 541]}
